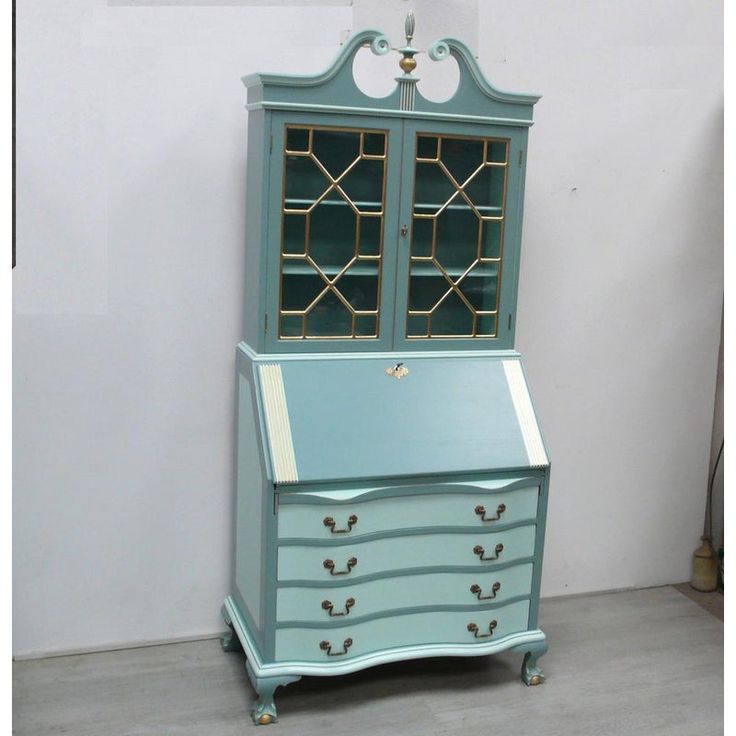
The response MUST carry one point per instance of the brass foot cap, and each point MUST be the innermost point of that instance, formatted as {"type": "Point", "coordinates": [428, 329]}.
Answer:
{"type": "Point", "coordinates": [535, 680]}
{"type": "Point", "coordinates": [265, 719]}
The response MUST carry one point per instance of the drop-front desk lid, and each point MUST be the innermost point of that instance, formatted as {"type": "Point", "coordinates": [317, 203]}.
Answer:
{"type": "Point", "coordinates": [341, 418]}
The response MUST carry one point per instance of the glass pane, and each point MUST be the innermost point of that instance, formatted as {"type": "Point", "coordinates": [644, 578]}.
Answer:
{"type": "Point", "coordinates": [427, 146]}
{"type": "Point", "coordinates": [422, 237]}
{"type": "Point", "coordinates": [363, 185]}
{"type": "Point", "coordinates": [292, 326]}
{"type": "Point", "coordinates": [366, 325]}
{"type": "Point", "coordinates": [457, 237]}
{"type": "Point", "coordinates": [426, 288]}
{"type": "Point", "coordinates": [300, 286]}
{"type": "Point", "coordinates": [332, 236]}
{"type": "Point", "coordinates": [297, 139]}
{"type": "Point", "coordinates": [370, 236]}
{"type": "Point", "coordinates": [330, 318]}
{"type": "Point", "coordinates": [452, 318]}
{"type": "Point", "coordinates": [332, 232]}
{"type": "Point", "coordinates": [295, 232]}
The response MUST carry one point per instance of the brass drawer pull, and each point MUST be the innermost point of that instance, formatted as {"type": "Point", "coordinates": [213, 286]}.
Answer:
{"type": "Point", "coordinates": [330, 522]}
{"type": "Point", "coordinates": [325, 646]}
{"type": "Point", "coordinates": [481, 511]}
{"type": "Point", "coordinates": [478, 550]}
{"type": "Point", "coordinates": [476, 589]}
{"type": "Point", "coordinates": [330, 565]}
{"type": "Point", "coordinates": [474, 629]}
{"type": "Point", "coordinates": [329, 606]}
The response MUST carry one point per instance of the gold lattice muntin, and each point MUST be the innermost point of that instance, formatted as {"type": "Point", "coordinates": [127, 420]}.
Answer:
{"type": "Point", "coordinates": [332, 232]}
{"type": "Point", "coordinates": [457, 236]}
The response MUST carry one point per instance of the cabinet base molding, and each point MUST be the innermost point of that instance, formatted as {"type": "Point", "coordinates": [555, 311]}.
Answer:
{"type": "Point", "coordinates": [265, 677]}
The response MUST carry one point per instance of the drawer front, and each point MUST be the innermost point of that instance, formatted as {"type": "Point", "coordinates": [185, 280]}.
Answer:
{"type": "Point", "coordinates": [407, 591]}
{"type": "Point", "coordinates": [439, 627]}
{"type": "Point", "coordinates": [347, 519]}
{"type": "Point", "coordinates": [358, 559]}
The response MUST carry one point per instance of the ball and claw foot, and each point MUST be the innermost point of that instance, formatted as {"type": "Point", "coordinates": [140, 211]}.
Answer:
{"type": "Point", "coordinates": [264, 711]}
{"type": "Point", "coordinates": [531, 673]}
{"type": "Point", "coordinates": [230, 642]}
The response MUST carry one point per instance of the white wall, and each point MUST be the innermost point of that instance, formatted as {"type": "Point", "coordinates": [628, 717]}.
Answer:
{"type": "Point", "coordinates": [128, 288]}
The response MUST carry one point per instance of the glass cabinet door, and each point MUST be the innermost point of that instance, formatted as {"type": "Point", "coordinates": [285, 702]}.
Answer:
{"type": "Point", "coordinates": [333, 235]}
{"type": "Point", "coordinates": [459, 206]}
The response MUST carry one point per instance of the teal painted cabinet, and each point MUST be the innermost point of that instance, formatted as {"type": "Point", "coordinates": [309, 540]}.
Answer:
{"type": "Point", "coordinates": [392, 479]}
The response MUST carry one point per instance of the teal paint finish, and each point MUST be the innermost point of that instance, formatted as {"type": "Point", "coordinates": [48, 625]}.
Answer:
{"type": "Point", "coordinates": [249, 505]}
{"type": "Point", "coordinates": [332, 99]}
{"type": "Point", "coordinates": [279, 121]}
{"type": "Point", "coordinates": [398, 512]}
{"type": "Point", "coordinates": [257, 178]}
{"type": "Point", "coordinates": [423, 590]}
{"type": "Point", "coordinates": [306, 562]}
{"type": "Point", "coordinates": [410, 458]}
{"type": "Point", "coordinates": [440, 627]}
{"type": "Point", "coordinates": [531, 673]}
{"type": "Point", "coordinates": [539, 551]}
{"type": "Point", "coordinates": [412, 422]}
{"type": "Point", "coordinates": [335, 90]}
{"type": "Point", "coordinates": [290, 667]}
{"type": "Point", "coordinates": [347, 492]}
{"type": "Point", "coordinates": [511, 235]}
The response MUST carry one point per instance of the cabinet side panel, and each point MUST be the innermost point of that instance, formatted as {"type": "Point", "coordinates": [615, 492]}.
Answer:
{"type": "Point", "coordinates": [248, 546]}
{"type": "Point", "coordinates": [255, 229]}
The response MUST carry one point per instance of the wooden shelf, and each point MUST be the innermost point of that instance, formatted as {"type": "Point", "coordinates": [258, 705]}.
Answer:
{"type": "Point", "coordinates": [363, 268]}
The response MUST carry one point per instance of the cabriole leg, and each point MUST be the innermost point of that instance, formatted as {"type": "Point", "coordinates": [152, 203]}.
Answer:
{"type": "Point", "coordinates": [229, 640]}
{"type": "Point", "coordinates": [264, 710]}
{"type": "Point", "coordinates": [531, 673]}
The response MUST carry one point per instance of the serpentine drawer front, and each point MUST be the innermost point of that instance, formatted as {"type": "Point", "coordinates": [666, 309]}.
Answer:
{"type": "Point", "coordinates": [478, 508]}
{"type": "Point", "coordinates": [439, 627]}
{"type": "Point", "coordinates": [360, 559]}
{"type": "Point", "coordinates": [392, 478]}
{"type": "Point", "coordinates": [354, 599]}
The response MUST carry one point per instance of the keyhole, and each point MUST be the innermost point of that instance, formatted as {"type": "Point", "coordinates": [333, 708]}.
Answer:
{"type": "Point", "coordinates": [404, 231]}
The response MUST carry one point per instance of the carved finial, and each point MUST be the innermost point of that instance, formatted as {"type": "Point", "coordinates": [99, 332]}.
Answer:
{"type": "Point", "coordinates": [408, 63]}
{"type": "Point", "coordinates": [409, 27]}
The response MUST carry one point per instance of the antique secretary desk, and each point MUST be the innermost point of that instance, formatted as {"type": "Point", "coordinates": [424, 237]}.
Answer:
{"type": "Point", "coordinates": [391, 476]}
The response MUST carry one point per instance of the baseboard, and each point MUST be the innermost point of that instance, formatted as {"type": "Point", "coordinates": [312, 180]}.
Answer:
{"type": "Point", "coordinates": [114, 647]}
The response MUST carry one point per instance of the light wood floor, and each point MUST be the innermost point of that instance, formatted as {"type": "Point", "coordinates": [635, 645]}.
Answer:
{"type": "Point", "coordinates": [643, 662]}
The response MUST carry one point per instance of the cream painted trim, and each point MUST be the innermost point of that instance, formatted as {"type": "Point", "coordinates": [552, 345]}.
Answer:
{"type": "Point", "coordinates": [277, 423]}
{"type": "Point", "coordinates": [525, 414]}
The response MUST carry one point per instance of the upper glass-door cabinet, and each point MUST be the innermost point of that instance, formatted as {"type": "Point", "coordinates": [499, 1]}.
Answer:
{"type": "Point", "coordinates": [383, 224]}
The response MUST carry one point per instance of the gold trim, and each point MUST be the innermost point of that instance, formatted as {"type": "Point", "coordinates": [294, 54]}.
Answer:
{"type": "Point", "coordinates": [307, 208]}
{"type": "Point", "coordinates": [457, 282]}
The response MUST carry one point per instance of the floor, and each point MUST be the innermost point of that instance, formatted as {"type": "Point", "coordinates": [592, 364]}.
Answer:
{"type": "Point", "coordinates": [712, 602]}
{"type": "Point", "coordinates": [638, 662]}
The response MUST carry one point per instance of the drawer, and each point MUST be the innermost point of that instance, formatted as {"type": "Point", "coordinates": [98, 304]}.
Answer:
{"type": "Point", "coordinates": [438, 627]}
{"type": "Point", "coordinates": [406, 591]}
{"type": "Point", "coordinates": [358, 559]}
{"type": "Point", "coordinates": [318, 518]}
